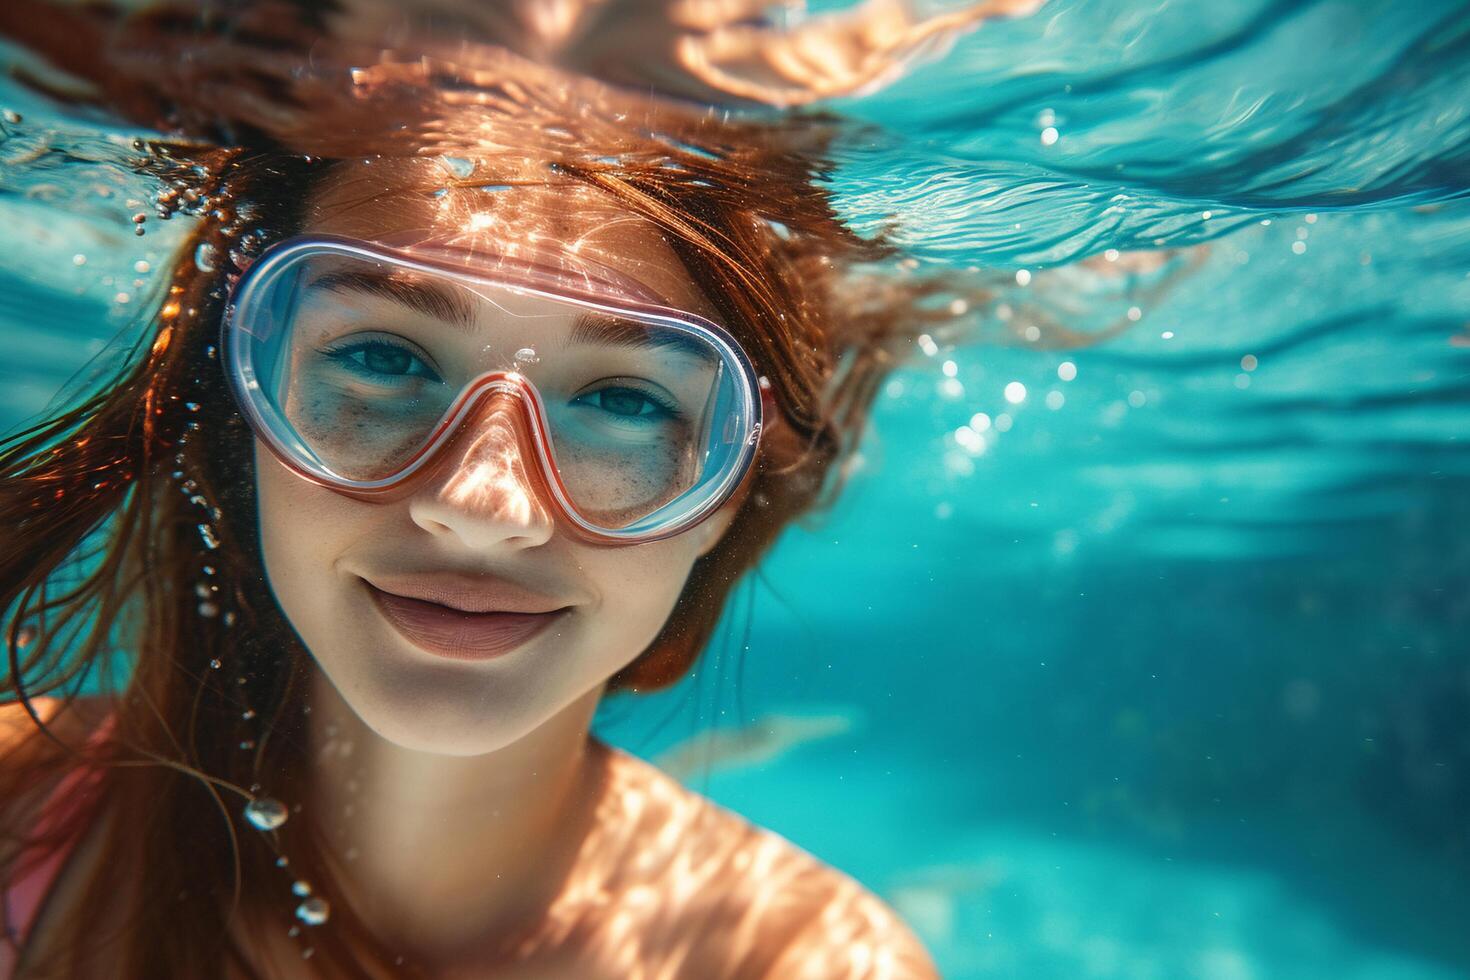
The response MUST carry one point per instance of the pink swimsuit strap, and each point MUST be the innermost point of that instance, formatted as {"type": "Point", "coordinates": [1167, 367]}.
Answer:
{"type": "Point", "coordinates": [34, 873]}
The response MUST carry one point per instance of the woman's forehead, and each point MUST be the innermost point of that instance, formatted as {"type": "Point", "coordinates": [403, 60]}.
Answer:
{"type": "Point", "coordinates": [565, 224]}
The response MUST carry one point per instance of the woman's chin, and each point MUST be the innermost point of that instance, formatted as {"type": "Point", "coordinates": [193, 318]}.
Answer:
{"type": "Point", "coordinates": [443, 708]}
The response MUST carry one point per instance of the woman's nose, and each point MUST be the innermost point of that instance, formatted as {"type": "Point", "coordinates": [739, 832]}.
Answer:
{"type": "Point", "coordinates": [482, 489]}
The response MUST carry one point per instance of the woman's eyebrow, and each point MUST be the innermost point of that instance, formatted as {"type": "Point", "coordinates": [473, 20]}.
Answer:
{"type": "Point", "coordinates": [429, 298]}
{"type": "Point", "coordinates": [452, 306]}
{"type": "Point", "coordinates": [613, 331]}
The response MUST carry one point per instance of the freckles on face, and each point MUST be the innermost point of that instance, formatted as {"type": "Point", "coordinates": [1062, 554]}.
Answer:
{"type": "Point", "coordinates": [344, 432]}
{"type": "Point", "coordinates": [320, 548]}
{"type": "Point", "coordinates": [636, 484]}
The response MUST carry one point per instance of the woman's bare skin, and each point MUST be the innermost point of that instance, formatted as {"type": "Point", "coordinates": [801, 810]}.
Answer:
{"type": "Point", "coordinates": [662, 883]}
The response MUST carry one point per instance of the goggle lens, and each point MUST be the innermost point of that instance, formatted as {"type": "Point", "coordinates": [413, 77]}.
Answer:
{"type": "Point", "coordinates": [364, 366]}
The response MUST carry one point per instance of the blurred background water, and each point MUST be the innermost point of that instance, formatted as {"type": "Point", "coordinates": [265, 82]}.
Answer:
{"type": "Point", "coordinates": [1142, 659]}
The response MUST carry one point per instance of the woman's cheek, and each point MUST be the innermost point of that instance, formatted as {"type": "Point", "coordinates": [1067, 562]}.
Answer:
{"type": "Point", "coordinates": [638, 587]}
{"type": "Point", "coordinates": [303, 529]}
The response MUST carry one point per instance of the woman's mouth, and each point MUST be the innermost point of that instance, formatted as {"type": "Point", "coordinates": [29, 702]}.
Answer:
{"type": "Point", "coordinates": [457, 633]}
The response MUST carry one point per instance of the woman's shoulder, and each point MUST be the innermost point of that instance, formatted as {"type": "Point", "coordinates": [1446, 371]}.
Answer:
{"type": "Point", "coordinates": [782, 912]}
{"type": "Point", "coordinates": [70, 720]}
{"type": "Point", "coordinates": [36, 742]}
{"type": "Point", "coordinates": [34, 766]}
{"type": "Point", "coordinates": [45, 784]}
{"type": "Point", "coordinates": [17, 724]}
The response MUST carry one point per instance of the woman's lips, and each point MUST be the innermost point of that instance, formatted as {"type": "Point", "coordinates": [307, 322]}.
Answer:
{"type": "Point", "coordinates": [456, 634]}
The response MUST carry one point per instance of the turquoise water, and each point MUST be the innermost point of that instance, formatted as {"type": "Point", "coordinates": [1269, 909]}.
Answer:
{"type": "Point", "coordinates": [1156, 668]}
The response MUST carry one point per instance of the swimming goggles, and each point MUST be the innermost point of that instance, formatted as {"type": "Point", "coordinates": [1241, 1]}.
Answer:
{"type": "Point", "coordinates": [359, 366]}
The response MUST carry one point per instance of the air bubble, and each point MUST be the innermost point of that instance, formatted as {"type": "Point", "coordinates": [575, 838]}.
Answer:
{"type": "Point", "coordinates": [314, 911]}
{"type": "Point", "coordinates": [209, 610]}
{"type": "Point", "coordinates": [266, 813]}
{"type": "Point", "coordinates": [301, 889]}
{"type": "Point", "coordinates": [205, 257]}
{"type": "Point", "coordinates": [206, 534]}
{"type": "Point", "coordinates": [458, 166]}
{"type": "Point", "coordinates": [527, 355]}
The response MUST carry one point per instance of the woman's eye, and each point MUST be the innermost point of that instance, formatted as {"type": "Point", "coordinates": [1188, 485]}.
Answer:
{"type": "Point", "coordinates": [627, 403]}
{"type": "Point", "coordinates": [379, 359]}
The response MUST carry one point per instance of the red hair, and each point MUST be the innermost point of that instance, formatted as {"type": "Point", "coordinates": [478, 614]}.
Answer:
{"type": "Point", "coordinates": [131, 561]}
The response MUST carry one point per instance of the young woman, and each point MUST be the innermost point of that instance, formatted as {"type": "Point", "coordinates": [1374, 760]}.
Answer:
{"type": "Point", "coordinates": [464, 406]}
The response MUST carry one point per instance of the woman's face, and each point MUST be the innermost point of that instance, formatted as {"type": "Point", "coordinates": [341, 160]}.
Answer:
{"type": "Point", "coordinates": [365, 583]}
